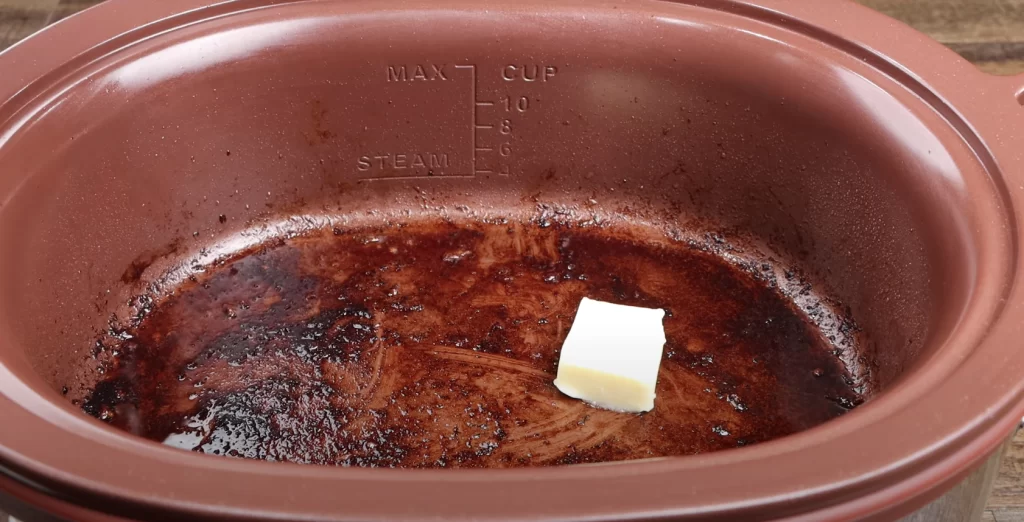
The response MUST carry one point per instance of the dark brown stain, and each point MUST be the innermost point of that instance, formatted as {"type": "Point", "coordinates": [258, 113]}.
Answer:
{"type": "Point", "coordinates": [321, 134]}
{"type": "Point", "coordinates": [434, 344]}
{"type": "Point", "coordinates": [139, 265]}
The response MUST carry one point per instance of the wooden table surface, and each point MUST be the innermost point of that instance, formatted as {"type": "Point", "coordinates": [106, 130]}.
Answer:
{"type": "Point", "coordinates": [990, 33]}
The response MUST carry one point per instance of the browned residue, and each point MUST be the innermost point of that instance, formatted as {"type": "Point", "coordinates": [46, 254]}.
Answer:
{"type": "Point", "coordinates": [434, 344]}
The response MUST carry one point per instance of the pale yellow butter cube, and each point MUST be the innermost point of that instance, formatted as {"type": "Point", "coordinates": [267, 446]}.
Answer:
{"type": "Point", "coordinates": [611, 356]}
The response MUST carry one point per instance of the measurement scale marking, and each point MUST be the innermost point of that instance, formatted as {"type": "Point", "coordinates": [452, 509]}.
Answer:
{"type": "Point", "coordinates": [475, 125]}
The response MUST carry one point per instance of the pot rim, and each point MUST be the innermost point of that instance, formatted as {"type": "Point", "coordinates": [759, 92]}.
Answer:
{"type": "Point", "coordinates": [925, 451]}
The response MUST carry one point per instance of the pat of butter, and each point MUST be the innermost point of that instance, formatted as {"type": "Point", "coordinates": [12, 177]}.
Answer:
{"type": "Point", "coordinates": [611, 356]}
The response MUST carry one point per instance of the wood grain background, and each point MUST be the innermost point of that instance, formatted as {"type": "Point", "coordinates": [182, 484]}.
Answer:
{"type": "Point", "coordinates": [990, 33]}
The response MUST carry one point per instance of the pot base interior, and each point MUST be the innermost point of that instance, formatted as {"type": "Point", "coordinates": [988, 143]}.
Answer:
{"type": "Point", "coordinates": [739, 141]}
{"type": "Point", "coordinates": [434, 343]}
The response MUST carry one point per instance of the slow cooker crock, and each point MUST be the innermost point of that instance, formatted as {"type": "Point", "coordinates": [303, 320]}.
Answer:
{"type": "Point", "coordinates": [876, 160]}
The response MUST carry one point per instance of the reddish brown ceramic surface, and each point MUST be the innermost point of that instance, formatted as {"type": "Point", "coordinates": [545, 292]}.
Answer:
{"type": "Point", "coordinates": [817, 135]}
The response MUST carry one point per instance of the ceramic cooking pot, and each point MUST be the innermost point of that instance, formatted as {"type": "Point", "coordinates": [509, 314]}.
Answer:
{"type": "Point", "coordinates": [886, 168]}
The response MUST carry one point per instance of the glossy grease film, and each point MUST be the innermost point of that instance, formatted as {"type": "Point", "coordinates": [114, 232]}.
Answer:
{"type": "Point", "coordinates": [434, 343]}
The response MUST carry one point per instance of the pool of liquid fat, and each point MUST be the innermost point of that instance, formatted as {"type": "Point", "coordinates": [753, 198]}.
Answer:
{"type": "Point", "coordinates": [434, 343]}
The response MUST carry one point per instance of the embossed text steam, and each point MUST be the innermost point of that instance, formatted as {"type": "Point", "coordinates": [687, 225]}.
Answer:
{"type": "Point", "coordinates": [492, 135]}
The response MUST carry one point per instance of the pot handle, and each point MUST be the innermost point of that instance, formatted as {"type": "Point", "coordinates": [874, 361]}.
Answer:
{"type": "Point", "coordinates": [1014, 83]}
{"type": "Point", "coordinates": [1019, 85]}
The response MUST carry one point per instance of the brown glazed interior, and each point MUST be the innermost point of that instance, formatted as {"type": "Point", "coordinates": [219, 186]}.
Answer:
{"type": "Point", "coordinates": [705, 139]}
